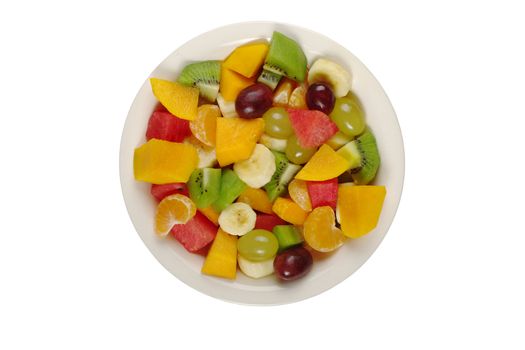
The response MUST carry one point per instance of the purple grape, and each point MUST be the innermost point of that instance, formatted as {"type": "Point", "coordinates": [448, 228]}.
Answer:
{"type": "Point", "coordinates": [292, 264]}
{"type": "Point", "coordinates": [253, 101]}
{"type": "Point", "coordinates": [320, 97]}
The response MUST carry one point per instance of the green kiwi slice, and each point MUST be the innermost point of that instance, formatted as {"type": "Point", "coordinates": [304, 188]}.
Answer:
{"type": "Point", "coordinates": [285, 57]}
{"type": "Point", "coordinates": [270, 79]}
{"type": "Point", "coordinates": [284, 173]}
{"type": "Point", "coordinates": [369, 158]}
{"type": "Point", "coordinates": [204, 186]}
{"type": "Point", "coordinates": [231, 188]}
{"type": "Point", "coordinates": [205, 75]}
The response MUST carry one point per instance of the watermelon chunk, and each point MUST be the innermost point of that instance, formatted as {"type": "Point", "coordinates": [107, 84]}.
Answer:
{"type": "Point", "coordinates": [313, 128]}
{"type": "Point", "coordinates": [161, 191]}
{"type": "Point", "coordinates": [196, 234]}
{"type": "Point", "coordinates": [165, 126]}
{"type": "Point", "coordinates": [268, 221]}
{"type": "Point", "coordinates": [323, 193]}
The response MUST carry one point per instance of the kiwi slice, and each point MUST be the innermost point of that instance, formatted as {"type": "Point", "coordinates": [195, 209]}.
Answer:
{"type": "Point", "coordinates": [285, 57]}
{"type": "Point", "coordinates": [205, 75]}
{"type": "Point", "coordinates": [270, 79]}
{"type": "Point", "coordinates": [363, 155]}
{"type": "Point", "coordinates": [231, 188]}
{"type": "Point", "coordinates": [204, 186]}
{"type": "Point", "coordinates": [284, 173]}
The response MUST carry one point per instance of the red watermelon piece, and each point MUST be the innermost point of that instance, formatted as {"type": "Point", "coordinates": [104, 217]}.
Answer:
{"type": "Point", "coordinates": [161, 191]}
{"type": "Point", "coordinates": [165, 126]}
{"type": "Point", "coordinates": [196, 234]}
{"type": "Point", "coordinates": [313, 128]}
{"type": "Point", "coordinates": [268, 221]}
{"type": "Point", "coordinates": [323, 193]}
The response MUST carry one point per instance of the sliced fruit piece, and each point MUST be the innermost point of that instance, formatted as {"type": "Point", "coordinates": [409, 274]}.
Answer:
{"type": "Point", "coordinates": [351, 153]}
{"type": "Point", "coordinates": [273, 143]}
{"type": "Point", "coordinates": [162, 191]}
{"type": "Point", "coordinates": [162, 162]}
{"type": "Point", "coordinates": [270, 79]}
{"type": "Point", "coordinates": [286, 57]}
{"type": "Point", "coordinates": [196, 234]}
{"type": "Point", "coordinates": [173, 210]}
{"type": "Point", "coordinates": [324, 165]}
{"type": "Point", "coordinates": [179, 100]}
{"type": "Point", "coordinates": [204, 186]}
{"type": "Point", "coordinates": [338, 140]}
{"type": "Point", "coordinates": [231, 187]}
{"type": "Point", "coordinates": [283, 174]}
{"type": "Point", "coordinates": [206, 154]}
{"type": "Point", "coordinates": [296, 153]}
{"type": "Point", "coordinates": [298, 98]}
{"type": "Point", "coordinates": [313, 128]}
{"type": "Point", "coordinates": [257, 199]}
{"type": "Point", "coordinates": [370, 159]}
{"type": "Point", "coordinates": [204, 75]}
{"type": "Point", "coordinates": [221, 260]}
{"type": "Point", "coordinates": [288, 236]}
{"type": "Point", "coordinates": [211, 214]}
{"type": "Point", "coordinates": [289, 211]}
{"type": "Point", "coordinates": [298, 191]}
{"type": "Point", "coordinates": [253, 101]}
{"type": "Point", "coordinates": [319, 96]}
{"type": "Point", "coordinates": [237, 219]}
{"type": "Point", "coordinates": [323, 193]}
{"type": "Point", "coordinates": [236, 139]}
{"type": "Point", "coordinates": [326, 71]}
{"type": "Point", "coordinates": [277, 123]}
{"type": "Point", "coordinates": [247, 59]}
{"type": "Point", "coordinates": [204, 127]}
{"type": "Point", "coordinates": [227, 107]}
{"type": "Point", "coordinates": [292, 263]}
{"type": "Point", "coordinates": [282, 94]}
{"type": "Point", "coordinates": [232, 83]}
{"type": "Point", "coordinates": [320, 231]}
{"type": "Point", "coordinates": [268, 221]}
{"type": "Point", "coordinates": [255, 269]}
{"type": "Point", "coordinates": [258, 245]}
{"type": "Point", "coordinates": [257, 170]}
{"type": "Point", "coordinates": [359, 208]}
{"type": "Point", "coordinates": [348, 116]}
{"type": "Point", "coordinates": [165, 126]}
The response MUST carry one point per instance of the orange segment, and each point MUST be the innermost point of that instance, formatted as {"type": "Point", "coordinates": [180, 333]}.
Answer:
{"type": "Point", "coordinates": [257, 199]}
{"type": "Point", "coordinates": [232, 83]}
{"type": "Point", "coordinates": [281, 95]}
{"type": "Point", "coordinates": [320, 232]}
{"type": "Point", "coordinates": [359, 208]}
{"type": "Point", "coordinates": [211, 214]}
{"type": "Point", "coordinates": [179, 100]}
{"type": "Point", "coordinates": [247, 59]}
{"type": "Point", "coordinates": [299, 192]}
{"type": "Point", "coordinates": [325, 164]}
{"type": "Point", "coordinates": [204, 126]}
{"type": "Point", "coordinates": [161, 162]}
{"type": "Point", "coordinates": [298, 98]}
{"type": "Point", "coordinates": [173, 210]}
{"type": "Point", "coordinates": [236, 138]}
{"type": "Point", "coordinates": [289, 211]}
{"type": "Point", "coordinates": [221, 260]}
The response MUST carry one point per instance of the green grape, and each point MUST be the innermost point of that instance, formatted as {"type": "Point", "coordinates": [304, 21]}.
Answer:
{"type": "Point", "coordinates": [348, 116]}
{"type": "Point", "coordinates": [297, 154]}
{"type": "Point", "coordinates": [277, 124]}
{"type": "Point", "coordinates": [258, 245]}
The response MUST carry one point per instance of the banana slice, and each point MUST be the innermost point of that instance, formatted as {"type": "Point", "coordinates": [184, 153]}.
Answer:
{"type": "Point", "coordinates": [257, 170]}
{"type": "Point", "coordinates": [255, 269]}
{"type": "Point", "coordinates": [207, 155]}
{"type": "Point", "coordinates": [274, 143]}
{"type": "Point", "coordinates": [227, 107]}
{"type": "Point", "coordinates": [237, 219]}
{"type": "Point", "coordinates": [337, 77]}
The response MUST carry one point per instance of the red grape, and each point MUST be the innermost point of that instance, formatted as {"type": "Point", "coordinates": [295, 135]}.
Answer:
{"type": "Point", "coordinates": [320, 97]}
{"type": "Point", "coordinates": [292, 264]}
{"type": "Point", "coordinates": [253, 101]}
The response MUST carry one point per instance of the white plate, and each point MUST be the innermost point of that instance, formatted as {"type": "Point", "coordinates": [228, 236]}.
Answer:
{"type": "Point", "coordinates": [380, 116]}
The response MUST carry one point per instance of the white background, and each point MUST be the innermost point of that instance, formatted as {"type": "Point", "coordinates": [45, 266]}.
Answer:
{"type": "Point", "coordinates": [449, 275]}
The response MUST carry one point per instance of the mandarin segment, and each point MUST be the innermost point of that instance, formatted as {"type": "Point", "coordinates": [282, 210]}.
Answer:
{"type": "Point", "coordinates": [173, 210]}
{"type": "Point", "coordinates": [320, 231]}
{"type": "Point", "coordinates": [298, 191]}
{"type": "Point", "coordinates": [204, 126]}
{"type": "Point", "coordinates": [289, 211]}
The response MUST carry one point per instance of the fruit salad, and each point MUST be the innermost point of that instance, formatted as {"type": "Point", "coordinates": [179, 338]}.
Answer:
{"type": "Point", "coordinates": [261, 162]}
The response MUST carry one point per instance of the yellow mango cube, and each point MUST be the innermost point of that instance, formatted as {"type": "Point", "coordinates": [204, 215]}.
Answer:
{"type": "Point", "coordinates": [221, 260]}
{"type": "Point", "coordinates": [257, 199]}
{"type": "Point", "coordinates": [236, 138]}
{"type": "Point", "coordinates": [232, 83]}
{"type": "Point", "coordinates": [179, 100]}
{"type": "Point", "coordinates": [161, 162]}
{"type": "Point", "coordinates": [325, 164]}
{"type": "Point", "coordinates": [247, 59]}
{"type": "Point", "coordinates": [359, 208]}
